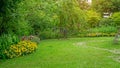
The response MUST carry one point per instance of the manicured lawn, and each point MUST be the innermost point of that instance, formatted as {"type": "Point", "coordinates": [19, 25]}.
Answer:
{"type": "Point", "coordinates": [98, 52]}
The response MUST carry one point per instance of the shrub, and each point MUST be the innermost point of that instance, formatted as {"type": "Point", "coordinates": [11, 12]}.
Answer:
{"type": "Point", "coordinates": [104, 29]}
{"type": "Point", "coordinates": [93, 18]}
{"type": "Point", "coordinates": [48, 34]}
{"type": "Point", "coordinates": [106, 22]}
{"type": "Point", "coordinates": [20, 49]}
{"type": "Point", "coordinates": [5, 41]}
{"type": "Point", "coordinates": [116, 18]}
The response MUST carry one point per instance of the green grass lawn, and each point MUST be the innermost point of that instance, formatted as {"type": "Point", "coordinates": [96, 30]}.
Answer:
{"type": "Point", "coordinates": [70, 53]}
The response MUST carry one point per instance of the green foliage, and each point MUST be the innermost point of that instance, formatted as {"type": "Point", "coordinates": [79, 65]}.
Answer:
{"type": "Point", "coordinates": [43, 16]}
{"type": "Point", "coordinates": [48, 34]}
{"type": "Point", "coordinates": [103, 5]}
{"type": "Point", "coordinates": [84, 5]}
{"type": "Point", "coordinates": [99, 32]}
{"type": "Point", "coordinates": [106, 22]}
{"type": "Point", "coordinates": [8, 14]}
{"type": "Point", "coordinates": [103, 29]}
{"type": "Point", "coordinates": [116, 6]}
{"type": "Point", "coordinates": [93, 18]}
{"type": "Point", "coordinates": [106, 6]}
{"type": "Point", "coordinates": [116, 18]}
{"type": "Point", "coordinates": [72, 19]}
{"type": "Point", "coordinates": [40, 15]}
{"type": "Point", "coordinates": [5, 41]}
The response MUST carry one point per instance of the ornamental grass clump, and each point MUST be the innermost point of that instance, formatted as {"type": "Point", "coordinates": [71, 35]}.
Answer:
{"type": "Point", "coordinates": [20, 49]}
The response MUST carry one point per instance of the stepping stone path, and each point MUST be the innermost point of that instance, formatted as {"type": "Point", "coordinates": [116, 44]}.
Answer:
{"type": "Point", "coordinates": [114, 51]}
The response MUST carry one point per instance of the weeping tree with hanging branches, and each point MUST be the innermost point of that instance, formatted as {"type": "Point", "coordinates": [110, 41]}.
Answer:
{"type": "Point", "coordinates": [71, 17]}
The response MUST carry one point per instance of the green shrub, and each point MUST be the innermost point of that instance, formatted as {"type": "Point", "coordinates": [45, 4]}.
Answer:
{"type": "Point", "coordinates": [103, 29]}
{"type": "Point", "coordinates": [22, 48]}
{"type": "Point", "coordinates": [93, 18]}
{"type": "Point", "coordinates": [116, 18]}
{"type": "Point", "coordinates": [48, 34]}
{"type": "Point", "coordinates": [5, 41]}
{"type": "Point", "coordinates": [106, 22]}
{"type": "Point", "coordinates": [99, 32]}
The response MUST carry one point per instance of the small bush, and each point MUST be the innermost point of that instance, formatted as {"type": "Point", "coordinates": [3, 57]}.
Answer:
{"type": "Point", "coordinates": [93, 18]}
{"type": "Point", "coordinates": [116, 18]}
{"type": "Point", "coordinates": [106, 22]}
{"type": "Point", "coordinates": [48, 34]}
{"type": "Point", "coordinates": [20, 49]}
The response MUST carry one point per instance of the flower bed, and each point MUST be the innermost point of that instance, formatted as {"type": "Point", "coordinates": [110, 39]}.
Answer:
{"type": "Point", "coordinates": [20, 49]}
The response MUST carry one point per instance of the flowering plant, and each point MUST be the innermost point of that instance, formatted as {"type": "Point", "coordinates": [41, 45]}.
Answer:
{"type": "Point", "coordinates": [22, 48]}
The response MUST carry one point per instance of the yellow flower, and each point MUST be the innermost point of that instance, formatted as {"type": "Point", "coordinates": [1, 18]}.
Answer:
{"type": "Point", "coordinates": [23, 47]}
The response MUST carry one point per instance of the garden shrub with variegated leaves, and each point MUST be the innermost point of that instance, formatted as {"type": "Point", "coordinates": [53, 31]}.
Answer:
{"type": "Point", "coordinates": [20, 49]}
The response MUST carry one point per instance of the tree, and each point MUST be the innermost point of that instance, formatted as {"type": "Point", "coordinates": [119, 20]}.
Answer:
{"type": "Point", "coordinates": [116, 5]}
{"type": "Point", "coordinates": [83, 4]}
{"type": "Point", "coordinates": [106, 6]}
{"type": "Point", "coordinates": [7, 14]}
{"type": "Point", "coordinates": [102, 5]}
{"type": "Point", "coordinates": [71, 17]}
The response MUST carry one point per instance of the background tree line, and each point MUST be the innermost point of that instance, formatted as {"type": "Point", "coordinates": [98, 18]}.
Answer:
{"type": "Point", "coordinates": [51, 19]}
